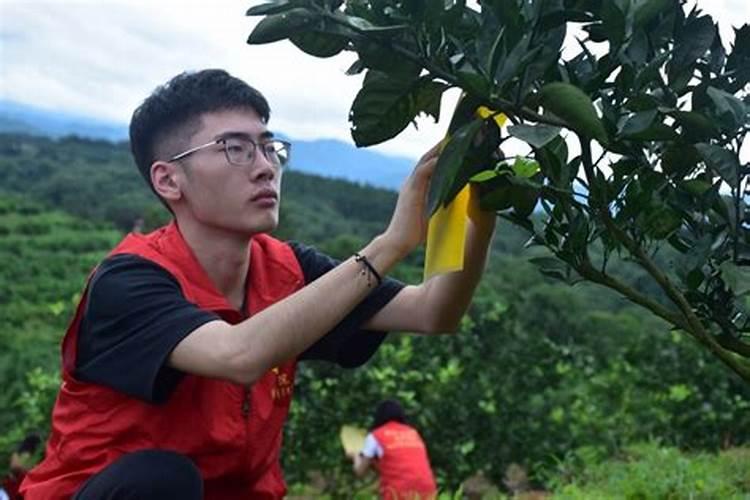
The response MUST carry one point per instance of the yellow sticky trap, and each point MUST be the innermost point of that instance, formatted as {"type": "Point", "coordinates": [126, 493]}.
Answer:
{"type": "Point", "coordinates": [352, 439]}
{"type": "Point", "coordinates": [446, 236]}
{"type": "Point", "coordinates": [484, 112]}
{"type": "Point", "coordinates": [446, 230]}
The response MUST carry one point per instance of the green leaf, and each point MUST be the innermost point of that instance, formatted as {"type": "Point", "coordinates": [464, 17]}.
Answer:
{"type": "Point", "coordinates": [319, 43]}
{"type": "Point", "coordinates": [484, 176]}
{"type": "Point", "coordinates": [270, 8]}
{"type": "Point", "coordinates": [535, 135]}
{"type": "Point", "coordinates": [731, 110]}
{"type": "Point", "coordinates": [651, 72]}
{"type": "Point", "coordinates": [718, 54]}
{"type": "Point", "coordinates": [695, 126]}
{"type": "Point", "coordinates": [578, 235]}
{"type": "Point", "coordinates": [553, 162]}
{"type": "Point", "coordinates": [449, 163]}
{"type": "Point", "coordinates": [647, 10]}
{"type": "Point", "coordinates": [467, 447]}
{"type": "Point", "coordinates": [637, 50]}
{"type": "Point", "coordinates": [497, 198]}
{"type": "Point", "coordinates": [384, 106]}
{"type": "Point", "coordinates": [696, 187]}
{"type": "Point", "coordinates": [509, 65]}
{"type": "Point", "coordinates": [480, 156]}
{"type": "Point", "coordinates": [642, 102]}
{"type": "Point", "coordinates": [738, 62]}
{"type": "Point", "coordinates": [473, 82]}
{"type": "Point", "coordinates": [692, 44]}
{"type": "Point", "coordinates": [695, 278]}
{"type": "Point", "coordinates": [525, 167]}
{"type": "Point", "coordinates": [679, 159]}
{"type": "Point", "coordinates": [614, 21]}
{"type": "Point", "coordinates": [280, 26]}
{"type": "Point", "coordinates": [377, 57]}
{"type": "Point", "coordinates": [661, 222]}
{"type": "Point", "coordinates": [597, 32]}
{"type": "Point", "coordinates": [517, 186]}
{"type": "Point", "coordinates": [361, 24]}
{"type": "Point", "coordinates": [738, 278]}
{"type": "Point", "coordinates": [464, 112]}
{"type": "Point", "coordinates": [356, 68]}
{"type": "Point", "coordinates": [624, 167]}
{"type": "Point", "coordinates": [524, 193]}
{"type": "Point", "coordinates": [656, 132]}
{"type": "Point", "coordinates": [496, 53]}
{"type": "Point", "coordinates": [572, 105]}
{"type": "Point", "coordinates": [722, 161]}
{"type": "Point", "coordinates": [637, 122]}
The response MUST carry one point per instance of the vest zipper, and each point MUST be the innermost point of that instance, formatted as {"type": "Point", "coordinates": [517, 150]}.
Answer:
{"type": "Point", "coordinates": [246, 402]}
{"type": "Point", "coordinates": [244, 314]}
{"type": "Point", "coordinates": [246, 406]}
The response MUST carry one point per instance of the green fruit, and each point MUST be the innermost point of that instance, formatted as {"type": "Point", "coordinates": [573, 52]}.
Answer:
{"type": "Point", "coordinates": [572, 105]}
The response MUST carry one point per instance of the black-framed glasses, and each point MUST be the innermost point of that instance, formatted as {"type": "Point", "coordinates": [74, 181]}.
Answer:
{"type": "Point", "coordinates": [241, 150]}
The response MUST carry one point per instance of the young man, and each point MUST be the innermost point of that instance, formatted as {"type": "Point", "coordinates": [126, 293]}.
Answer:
{"type": "Point", "coordinates": [179, 364]}
{"type": "Point", "coordinates": [398, 453]}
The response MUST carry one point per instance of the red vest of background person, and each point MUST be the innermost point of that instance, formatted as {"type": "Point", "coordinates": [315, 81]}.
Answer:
{"type": "Point", "coordinates": [404, 468]}
{"type": "Point", "coordinates": [11, 484]}
{"type": "Point", "coordinates": [231, 432]}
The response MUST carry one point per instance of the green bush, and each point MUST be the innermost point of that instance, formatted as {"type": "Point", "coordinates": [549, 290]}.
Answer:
{"type": "Point", "coordinates": [649, 471]}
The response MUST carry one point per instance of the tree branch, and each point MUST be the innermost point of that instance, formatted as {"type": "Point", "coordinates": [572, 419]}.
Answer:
{"type": "Point", "coordinates": [691, 323]}
{"type": "Point", "coordinates": [500, 104]}
{"type": "Point", "coordinates": [589, 272]}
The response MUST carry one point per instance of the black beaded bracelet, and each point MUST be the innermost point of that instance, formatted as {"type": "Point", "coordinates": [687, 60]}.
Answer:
{"type": "Point", "coordinates": [369, 268]}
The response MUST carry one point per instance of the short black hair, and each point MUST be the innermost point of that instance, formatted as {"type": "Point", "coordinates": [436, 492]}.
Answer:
{"type": "Point", "coordinates": [29, 444]}
{"type": "Point", "coordinates": [169, 117]}
{"type": "Point", "coordinates": [388, 410]}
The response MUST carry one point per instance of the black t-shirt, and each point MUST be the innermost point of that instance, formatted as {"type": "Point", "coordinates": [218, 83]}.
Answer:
{"type": "Point", "coordinates": [136, 314]}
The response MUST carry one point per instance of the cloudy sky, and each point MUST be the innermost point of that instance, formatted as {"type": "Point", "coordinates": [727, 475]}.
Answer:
{"type": "Point", "coordinates": [102, 57]}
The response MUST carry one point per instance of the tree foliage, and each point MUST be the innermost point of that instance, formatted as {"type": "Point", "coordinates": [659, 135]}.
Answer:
{"type": "Point", "coordinates": [46, 256]}
{"type": "Point", "coordinates": [636, 128]}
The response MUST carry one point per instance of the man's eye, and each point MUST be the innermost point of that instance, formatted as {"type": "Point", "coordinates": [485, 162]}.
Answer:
{"type": "Point", "coordinates": [234, 147]}
{"type": "Point", "coordinates": [269, 148]}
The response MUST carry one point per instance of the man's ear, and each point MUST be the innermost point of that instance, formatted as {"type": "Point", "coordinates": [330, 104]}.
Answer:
{"type": "Point", "coordinates": [164, 178]}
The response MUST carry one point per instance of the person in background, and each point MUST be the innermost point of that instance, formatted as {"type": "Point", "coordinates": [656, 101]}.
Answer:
{"type": "Point", "coordinates": [178, 367]}
{"type": "Point", "coordinates": [20, 462]}
{"type": "Point", "coordinates": [397, 452]}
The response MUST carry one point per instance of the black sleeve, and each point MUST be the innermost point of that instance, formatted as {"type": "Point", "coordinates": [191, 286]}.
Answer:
{"type": "Point", "coordinates": [135, 315]}
{"type": "Point", "coordinates": [347, 344]}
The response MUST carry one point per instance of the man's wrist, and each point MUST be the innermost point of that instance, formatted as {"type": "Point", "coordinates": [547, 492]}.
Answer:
{"type": "Point", "coordinates": [382, 254]}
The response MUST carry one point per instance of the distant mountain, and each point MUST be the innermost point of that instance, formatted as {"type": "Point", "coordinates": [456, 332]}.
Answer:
{"type": "Point", "coordinates": [18, 117]}
{"type": "Point", "coordinates": [326, 157]}
{"type": "Point", "coordinates": [332, 158]}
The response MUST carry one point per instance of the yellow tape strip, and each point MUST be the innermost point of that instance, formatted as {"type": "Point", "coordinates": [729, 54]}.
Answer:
{"type": "Point", "coordinates": [446, 237]}
{"type": "Point", "coordinates": [446, 231]}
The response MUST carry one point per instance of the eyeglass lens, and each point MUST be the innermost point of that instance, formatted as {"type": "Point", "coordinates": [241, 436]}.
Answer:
{"type": "Point", "coordinates": [241, 151]}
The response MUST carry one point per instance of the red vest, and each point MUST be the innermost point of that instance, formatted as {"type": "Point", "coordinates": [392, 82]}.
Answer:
{"type": "Point", "coordinates": [405, 472]}
{"type": "Point", "coordinates": [232, 433]}
{"type": "Point", "coordinates": [11, 483]}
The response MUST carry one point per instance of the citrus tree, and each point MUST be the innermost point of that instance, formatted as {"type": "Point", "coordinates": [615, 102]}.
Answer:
{"type": "Point", "coordinates": [634, 113]}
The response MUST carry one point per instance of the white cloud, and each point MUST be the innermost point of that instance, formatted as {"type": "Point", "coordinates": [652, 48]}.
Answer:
{"type": "Point", "coordinates": [102, 57]}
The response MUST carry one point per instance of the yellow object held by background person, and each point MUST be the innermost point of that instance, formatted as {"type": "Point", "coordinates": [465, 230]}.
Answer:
{"type": "Point", "coordinates": [352, 439]}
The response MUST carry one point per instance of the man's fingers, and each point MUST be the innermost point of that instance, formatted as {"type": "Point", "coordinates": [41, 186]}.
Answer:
{"type": "Point", "coordinates": [424, 170]}
{"type": "Point", "coordinates": [434, 151]}
{"type": "Point", "coordinates": [425, 167]}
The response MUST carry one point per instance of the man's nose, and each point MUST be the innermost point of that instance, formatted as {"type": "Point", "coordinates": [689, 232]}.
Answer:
{"type": "Point", "coordinates": [262, 167]}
